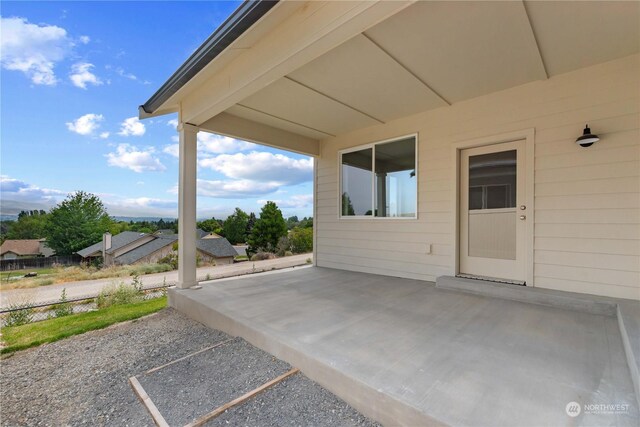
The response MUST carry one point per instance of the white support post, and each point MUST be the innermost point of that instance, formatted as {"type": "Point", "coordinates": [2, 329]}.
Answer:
{"type": "Point", "coordinates": [187, 206]}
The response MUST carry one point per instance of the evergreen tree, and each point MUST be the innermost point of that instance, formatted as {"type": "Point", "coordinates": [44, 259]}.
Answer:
{"type": "Point", "coordinates": [347, 206]}
{"type": "Point", "coordinates": [235, 227]}
{"type": "Point", "coordinates": [251, 222]}
{"type": "Point", "coordinates": [268, 229]}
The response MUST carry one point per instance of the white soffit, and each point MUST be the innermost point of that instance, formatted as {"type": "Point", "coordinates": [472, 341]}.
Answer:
{"type": "Point", "coordinates": [290, 101]}
{"type": "Point", "coordinates": [358, 73]}
{"type": "Point", "coordinates": [463, 49]}
{"type": "Point", "coordinates": [266, 119]}
{"type": "Point", "coordinates": [573, 35]}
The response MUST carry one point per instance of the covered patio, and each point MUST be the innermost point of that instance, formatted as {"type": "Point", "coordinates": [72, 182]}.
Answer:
{"type": "Point", "coordinates": [406, 352]}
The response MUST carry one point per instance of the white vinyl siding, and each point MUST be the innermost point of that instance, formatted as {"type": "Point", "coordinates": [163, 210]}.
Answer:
{"type": "Point", "coordinates": [587, 200]}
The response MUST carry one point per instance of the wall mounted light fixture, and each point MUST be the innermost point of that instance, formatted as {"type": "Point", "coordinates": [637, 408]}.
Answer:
{"type": "Point", "coordinates": [587, 139]}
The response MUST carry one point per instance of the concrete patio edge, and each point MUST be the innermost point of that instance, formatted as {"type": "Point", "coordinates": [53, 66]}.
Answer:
{"type": "Point", "coordinates": [627, 312]}
{"type": "Point", "coordinates": [371, 402]}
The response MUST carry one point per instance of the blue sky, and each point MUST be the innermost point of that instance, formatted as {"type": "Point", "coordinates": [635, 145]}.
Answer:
{"type": "Point", "coordinates": [72, 77]}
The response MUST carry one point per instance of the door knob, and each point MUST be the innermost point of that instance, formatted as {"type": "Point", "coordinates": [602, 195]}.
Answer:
{"type": "Point", "coordinates": [523, 217]}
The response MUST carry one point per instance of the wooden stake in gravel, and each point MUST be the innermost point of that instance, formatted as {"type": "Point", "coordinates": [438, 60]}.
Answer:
{"type": "Point", "coordinates": [148, 403]}
{"type": "Point", "coordinates": [203, 419]}
{"type": "Point", "coordinates": [187, 356]}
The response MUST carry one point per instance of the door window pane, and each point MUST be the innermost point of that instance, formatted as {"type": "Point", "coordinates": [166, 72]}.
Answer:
{"type": "Point", "coordinates": [492, 180]}
{"type": "Point", "coordinates": [356, 182]}
{"type": "Point", "coordinates": [395, 185]}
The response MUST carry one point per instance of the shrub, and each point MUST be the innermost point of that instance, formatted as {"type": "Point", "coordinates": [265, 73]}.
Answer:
{"type": "Point", "coordinates": [63, 308]}
{"type": "Point", "coordinates": [22, 313]}
{"type": "Point", "coordinates": [261, 256]}
{"type": "Point", "coordinates": [301, 240]}
{"type": "Point", "coordinates": [43, 282]}
{"type": "Point", "coordinates": [115, 294]}
{"type": "Point", "coordinates": [288, 253]}
{"type": "Point", "coordinates": [142, 269]}
{"type": "Point", "coordinates": [171, 260]}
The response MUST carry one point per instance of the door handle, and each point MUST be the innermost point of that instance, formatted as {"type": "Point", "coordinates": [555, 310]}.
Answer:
{"type": "Point", "coordinates": [523, 217]}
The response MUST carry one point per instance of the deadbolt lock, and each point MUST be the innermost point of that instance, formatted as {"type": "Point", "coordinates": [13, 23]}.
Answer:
{"type": "Point", "coordinates": [522, 207]}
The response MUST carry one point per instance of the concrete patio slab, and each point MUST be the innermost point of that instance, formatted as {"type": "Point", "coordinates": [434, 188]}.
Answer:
{"type": "Point", "coordinates": [403, 352]}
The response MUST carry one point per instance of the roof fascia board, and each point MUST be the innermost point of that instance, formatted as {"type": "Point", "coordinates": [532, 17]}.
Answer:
{"type": "Point", "coordinates": [247, 14]}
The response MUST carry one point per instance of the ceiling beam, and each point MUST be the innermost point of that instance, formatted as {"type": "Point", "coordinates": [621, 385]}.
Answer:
{"type": "Point", "coordinates": [334, 99]}
{"type": "Point", "coordinates": [533, 34]}
{"type": "Point", "coordinates": [407, 69]}
{"type": "Point", "coordinates": [247, 130]}
{"type": "Point", "coordinates": [313, 30]}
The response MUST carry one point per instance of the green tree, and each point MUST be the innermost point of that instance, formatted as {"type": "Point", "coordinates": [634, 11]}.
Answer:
{"type": "Point", "coordinates": [347, 206]}
{"type": "Point", "coordinates": [292, 222]}
{"type": "Point", "coordinates": [211, 225]}
{"type": "Point", "coordinates": [76, 222]}
{"type": "Point", "coordinates": [235, 227]}
{"type": "Point", "coordinates": [30, 225]}
{"type": "Point", "coordinates": [301, 240]}
{"type": "Point", "coordinates": [269, 228]}
{"type": "Point", "coordinates": [251, 222]}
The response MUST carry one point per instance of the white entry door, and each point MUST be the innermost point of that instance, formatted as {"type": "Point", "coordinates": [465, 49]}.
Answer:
{"type": "Point", "coordinates": [493, 213]}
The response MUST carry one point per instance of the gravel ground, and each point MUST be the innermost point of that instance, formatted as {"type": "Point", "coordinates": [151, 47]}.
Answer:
{"type": "Point", "coordinates": [83, 380]}
{"type": "Point", "coordinates": [223, 373]}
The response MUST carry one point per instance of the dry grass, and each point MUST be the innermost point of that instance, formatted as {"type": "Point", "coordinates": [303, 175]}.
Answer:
{"type": "Point", "coordinates": [75, 273]}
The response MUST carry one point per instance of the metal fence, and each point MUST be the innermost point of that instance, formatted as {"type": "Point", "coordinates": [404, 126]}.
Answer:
{"type": "Point", "coordinates": [25, 312]}
{"type": "Point", "coordinates": [39, 262]}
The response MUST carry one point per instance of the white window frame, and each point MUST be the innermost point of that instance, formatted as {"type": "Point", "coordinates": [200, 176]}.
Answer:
{"type": "Point", "coordinates": [372, 145]}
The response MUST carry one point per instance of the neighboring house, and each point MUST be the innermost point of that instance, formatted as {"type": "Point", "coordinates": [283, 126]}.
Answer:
{"type": "Point", "coordinates": [217, 250]}
{"type": "Point", "coordinates": [131, 247]}
{"type": "Point", "coordinates": [441, 145]}
{"type": "Point", "coordinates": [111, 247]}
{"type": "Point", "coordinates": [25, 248]}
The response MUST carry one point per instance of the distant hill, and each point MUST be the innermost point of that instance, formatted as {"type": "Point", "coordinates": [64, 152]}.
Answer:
{"type": "Point", "coordinates": [142, 218]}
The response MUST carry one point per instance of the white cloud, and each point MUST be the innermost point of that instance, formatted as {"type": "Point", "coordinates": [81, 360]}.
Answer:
{"type": "Point", "coordinates": [140, 206]}
{"type": "Point", "coordinates": [33, 49]}
{"type": "Point", "coordinates": [297, 201]}
{"type": "Point", "coordinates": [172, 150]}
{"type": "Point", "coordinates": [86, 125]}
{"type": "Point", "coordinates": [17, 195]}
{"type": "Point", "coordinates": [229, 189]}
{"type": "Point", "coordinates": [104, 135]}
{"type": "Point", "coordinates": [173, 123]}
{"type": "Point", "coordinates": [81, 75]}
{"type": "Point", "coordinates": [132, 127]}
{"type": "Point", "coordinates": [120, 71]}
{"type": "Point", "coordinates": [240, 189]}
{"type": "Point", "coordinates": [209, 144]}
{"type": "Point", "coordinates": [136, 159]}
{"type": "Point", "coordinates": [85, 39]}
{"type": "Point", "coordinates": [262, 167]}
{"type": "Point", "coordinates": [218, 144]}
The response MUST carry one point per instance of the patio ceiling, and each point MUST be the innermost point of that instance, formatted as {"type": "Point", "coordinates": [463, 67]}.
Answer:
{"type": "Point", "coordinates": [381, 61]}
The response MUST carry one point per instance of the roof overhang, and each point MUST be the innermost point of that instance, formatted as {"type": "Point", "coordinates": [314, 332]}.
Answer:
{"type": "Point", "coordinates": [307, 71]}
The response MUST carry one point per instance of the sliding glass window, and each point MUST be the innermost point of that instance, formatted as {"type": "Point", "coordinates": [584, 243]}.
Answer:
{"type": "Point", "coordinates": [380, 180]}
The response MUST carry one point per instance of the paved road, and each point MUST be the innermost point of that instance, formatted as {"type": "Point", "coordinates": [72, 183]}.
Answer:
{"type": "Point", "coordinates": [92, 287]}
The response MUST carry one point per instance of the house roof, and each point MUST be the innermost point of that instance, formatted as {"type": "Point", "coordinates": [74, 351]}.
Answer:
{"type": "Point", "coordinates": [117, 241]}
{"type": "Point", "coordinates": [21, 247]}
{"type": "Point", "coordinates": [216, 247]}
{"type": "Point", "coordinates": [233, 27]}
{"type": "Point", "coordinates": [147, 249]}
{"type": "Point", "coordinates": [200, 233]}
